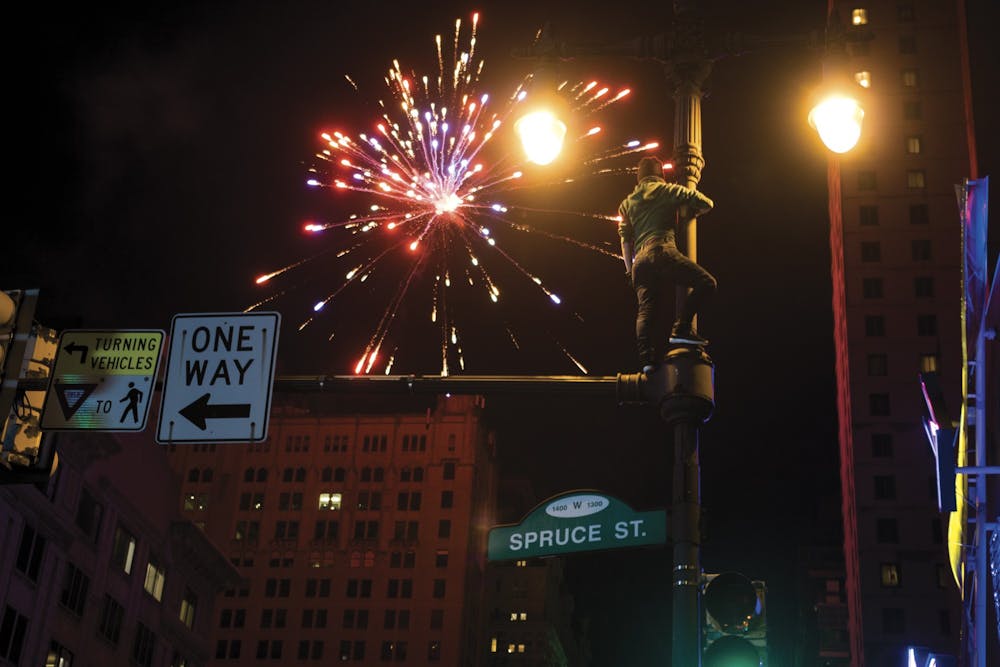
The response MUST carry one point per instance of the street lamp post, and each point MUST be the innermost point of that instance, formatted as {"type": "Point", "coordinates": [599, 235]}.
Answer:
{"type": "Point", "coordinates": [683, 387]}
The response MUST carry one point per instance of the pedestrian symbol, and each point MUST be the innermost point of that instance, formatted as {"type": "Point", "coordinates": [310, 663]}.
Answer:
{"type": "Point", "coordinates": [134, 396]}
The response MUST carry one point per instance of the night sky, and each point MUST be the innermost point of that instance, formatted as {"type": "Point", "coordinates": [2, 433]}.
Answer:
{"type": "Point", "coordinates": [161, 156]}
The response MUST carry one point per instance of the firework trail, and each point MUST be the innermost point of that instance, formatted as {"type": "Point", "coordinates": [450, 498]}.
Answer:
{"type": "Point", "coordinates": [434, 182]}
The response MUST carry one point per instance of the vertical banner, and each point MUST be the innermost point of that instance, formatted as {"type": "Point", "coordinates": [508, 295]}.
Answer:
{"type": "Point", "coordinates": [974, 206]}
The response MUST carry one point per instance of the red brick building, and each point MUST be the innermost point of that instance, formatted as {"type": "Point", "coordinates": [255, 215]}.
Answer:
{"type": "Point", "coordinates": [360, 532]}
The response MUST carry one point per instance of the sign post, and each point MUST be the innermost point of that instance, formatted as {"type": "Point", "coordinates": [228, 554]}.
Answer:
{"type": "Point", "coordinates": [220, 375]}
{"type": "Point", "coordinates": [577, 521]}
{"type": "Point", "coordinates": [102, 381]}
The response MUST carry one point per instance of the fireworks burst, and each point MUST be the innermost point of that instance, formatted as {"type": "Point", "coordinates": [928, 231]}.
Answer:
{"type": "Point", "coordinates": [435, 181]}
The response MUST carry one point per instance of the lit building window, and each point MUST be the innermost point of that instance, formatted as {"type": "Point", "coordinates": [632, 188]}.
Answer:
{"type": "Point", "coordinates": [913, 145]}
{"type": "Point", "coordinates": [522, 563]}
{"type": "Point", "coordinates": [330, 501]}
{"type": "Point", "coordinates": [196, 502]}
{"type": "Point", "coordinates": [890, 574]}
{"type": "Point", "coordinates": [493, 645]}
{"type": "Point", "coordinates": [123, 552]}
{"type": "Point", "coordinates": [155, 576]}
{"type": "Point", "coordinates": [910, 78]}
{"type": "Point", "coordinates": [928, 363]}
{"type": "Point", "coordinates": [859, 16]}
{"type": "Point", "coordinates": [188, 605]}
{"type": "Point", "coordinates": [863, 79]}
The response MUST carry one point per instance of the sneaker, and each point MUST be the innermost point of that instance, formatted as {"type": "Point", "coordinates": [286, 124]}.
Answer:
{"type": "Point", "coordinates": [685, 334]}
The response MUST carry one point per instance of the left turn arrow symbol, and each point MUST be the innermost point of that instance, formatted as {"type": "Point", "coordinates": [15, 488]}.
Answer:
{"type": "Point", "coordinates": [73, 348]}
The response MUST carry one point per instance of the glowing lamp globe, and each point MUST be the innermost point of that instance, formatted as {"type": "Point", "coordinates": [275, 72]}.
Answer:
{"type": "Point", "coordinates": [542, 135]}
{"type": "Point", "coordinates": [838, 121]}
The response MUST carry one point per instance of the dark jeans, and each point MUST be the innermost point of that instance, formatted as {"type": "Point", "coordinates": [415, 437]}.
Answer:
{"type": "Point", "coordinates": [657, 268]}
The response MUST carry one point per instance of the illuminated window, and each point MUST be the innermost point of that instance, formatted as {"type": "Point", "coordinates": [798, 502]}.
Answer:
{"type": "Point", "coordinates": [155, 576]}
{"type": "Point", "coordinates": [522, 563]}
{"type": "Point", "coordinates": [188, 605]}
{"type": "Point", "coordinates": [863, 78]}
{"type": "Point", "coordinates": [197, 502]}
{"type": "Point", "coordinates": [913, 145]}
{"type": "Point", "coordinates": [123, 551]}
{"type": "Point", "coordinates": [915, 179]}
{"type": "Point", "coordinates": [58, 656]}
{"type": "Point", "coordinates": [890, 574]}
{"type": "Point", "coordinates": [511, 648]}
{"type": "Point", "coordinates": [859, 16]}
{"type": "Point", "coordinates": [330, 501]}
{"type": "Point", "coordinates": [493, 644]}
{"type": "Point", "coordinates": [910, 78]}
{"type": "Point", "coordinates": [928, 363]}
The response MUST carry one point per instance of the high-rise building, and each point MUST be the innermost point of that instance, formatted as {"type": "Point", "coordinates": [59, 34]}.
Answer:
{"type": "Point", "coordinates": [895, 239]}
{"type": "Point", "coordinates": [360, 531]}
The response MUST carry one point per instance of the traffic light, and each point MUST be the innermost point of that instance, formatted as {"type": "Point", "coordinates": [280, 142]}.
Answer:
{"type": "Point", "coordinates": [735, 622]}
{"type": "Point", "coordinates": [26, 352]}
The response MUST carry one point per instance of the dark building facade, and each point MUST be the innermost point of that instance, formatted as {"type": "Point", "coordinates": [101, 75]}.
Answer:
{"type": "Point", "coordinates": [99, 568]}
{"type": "Point", "coordinates": [895, 239]}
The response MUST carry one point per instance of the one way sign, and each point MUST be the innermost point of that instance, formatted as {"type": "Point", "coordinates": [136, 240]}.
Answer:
{"type": "Point", "coordinates": [220, 374]}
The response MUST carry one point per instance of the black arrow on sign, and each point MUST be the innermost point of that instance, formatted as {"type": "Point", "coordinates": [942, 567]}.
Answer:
{"type": "Point", "coordinates": [73, 348]}
{"type": "Point", "coordinates": [199, 410]}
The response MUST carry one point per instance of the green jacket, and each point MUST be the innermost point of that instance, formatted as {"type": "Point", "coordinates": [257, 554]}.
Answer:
{"type": "Point", "coordinates": [651, 210]}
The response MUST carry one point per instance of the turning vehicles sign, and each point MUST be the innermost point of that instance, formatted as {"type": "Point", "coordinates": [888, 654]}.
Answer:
{"type": "Point", "coordinates": [102, 380]}
{"type": "Point", "coordinates": [220, 374]}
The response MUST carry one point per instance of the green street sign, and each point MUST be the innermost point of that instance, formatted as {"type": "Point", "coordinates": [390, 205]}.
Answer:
{"type": "Point", "coordinates": [577, 521]}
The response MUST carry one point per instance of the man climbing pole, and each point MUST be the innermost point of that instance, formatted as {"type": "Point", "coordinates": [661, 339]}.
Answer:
{"type": "Point", "coordinates": [653, 262]}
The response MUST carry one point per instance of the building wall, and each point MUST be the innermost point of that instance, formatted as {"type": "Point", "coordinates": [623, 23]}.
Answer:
{"type": "Point", "coordinates": [396, 569]}
{"type": "Point", "coordinates": [530, 614]}
{"type": "Point", "coordinates": [896, 265]}
{"type": "Point", "coordinates": [60, 566]}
